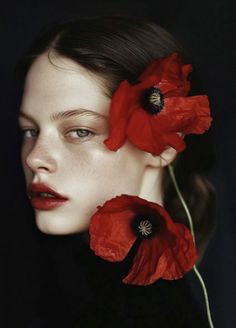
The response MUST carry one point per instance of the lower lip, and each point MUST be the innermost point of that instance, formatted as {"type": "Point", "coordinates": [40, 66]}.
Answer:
{"type": "Point", "coordinates": [46, 204]}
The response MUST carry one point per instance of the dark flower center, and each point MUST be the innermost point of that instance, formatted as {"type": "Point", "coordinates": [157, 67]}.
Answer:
{"type": "Point", "coordinates": [153, 100]}
{"type": "Point", "coordinates": [145, 226]}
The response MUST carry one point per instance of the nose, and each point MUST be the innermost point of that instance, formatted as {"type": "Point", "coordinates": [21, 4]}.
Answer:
{"type": "Point", "coordinates": [42, 158]}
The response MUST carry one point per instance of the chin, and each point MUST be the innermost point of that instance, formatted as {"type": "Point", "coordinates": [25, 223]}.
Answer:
{"type": "Point", "coordinates": [52, 226]}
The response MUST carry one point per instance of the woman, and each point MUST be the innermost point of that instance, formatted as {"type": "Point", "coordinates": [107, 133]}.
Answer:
{"type": "Point", "coordinates": [104, 113]}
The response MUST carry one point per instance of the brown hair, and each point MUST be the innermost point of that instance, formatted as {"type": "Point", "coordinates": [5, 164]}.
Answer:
{"type": "Point", "coordinates": [118, 48]}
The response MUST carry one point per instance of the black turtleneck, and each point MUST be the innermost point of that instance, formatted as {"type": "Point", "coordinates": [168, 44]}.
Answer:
{"type": "Point", "coordinates": [81, 290]}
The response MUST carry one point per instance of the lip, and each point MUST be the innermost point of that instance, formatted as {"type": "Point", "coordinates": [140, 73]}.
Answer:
{"type": "Point", "coordinates": [44, 203]}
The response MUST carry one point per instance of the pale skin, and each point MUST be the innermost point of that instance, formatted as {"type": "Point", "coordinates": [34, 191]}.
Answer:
{"type": "Point", "coordinates": [64, 115]}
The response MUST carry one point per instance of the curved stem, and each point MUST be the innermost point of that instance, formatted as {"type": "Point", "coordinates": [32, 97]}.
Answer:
{"type": "Point", "coordinates": [172, 175]}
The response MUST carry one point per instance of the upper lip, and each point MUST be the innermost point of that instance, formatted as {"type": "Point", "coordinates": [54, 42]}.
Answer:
{"type": "Point", "coordinates": [36, 188]}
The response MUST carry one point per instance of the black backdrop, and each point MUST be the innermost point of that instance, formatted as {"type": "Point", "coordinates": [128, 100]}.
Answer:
{"type": "Point", "coordinates": [206, 29]}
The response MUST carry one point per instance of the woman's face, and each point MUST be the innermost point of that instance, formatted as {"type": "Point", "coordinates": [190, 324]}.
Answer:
{"type": "Point", "coordinates": [64, 116]}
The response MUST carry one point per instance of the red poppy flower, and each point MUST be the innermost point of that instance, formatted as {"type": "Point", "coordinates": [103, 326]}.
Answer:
{"type": "Point", "coordinates": [152, 111]}
{"type": "Point", "coordinates": [166, 249]}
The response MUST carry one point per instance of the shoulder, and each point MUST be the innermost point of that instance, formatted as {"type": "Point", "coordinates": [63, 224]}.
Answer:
{"type": "Point", "coordinates": [161, 305]}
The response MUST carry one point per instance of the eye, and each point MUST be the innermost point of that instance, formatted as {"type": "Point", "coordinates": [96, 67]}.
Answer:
{"type": "Point", "coordinates": [30, 133]}
{"type": "Point", "coordinates": [80, 133]}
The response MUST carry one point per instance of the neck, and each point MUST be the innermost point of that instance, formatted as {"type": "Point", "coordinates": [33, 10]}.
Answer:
{"type": "Point", "coordinates": [151, 188]}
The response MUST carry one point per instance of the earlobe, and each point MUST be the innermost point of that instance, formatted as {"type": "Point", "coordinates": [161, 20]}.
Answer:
{"type": "Point", "coordinates": [164, 159]}
{"type": "Point", "coordinates": [167, 156]}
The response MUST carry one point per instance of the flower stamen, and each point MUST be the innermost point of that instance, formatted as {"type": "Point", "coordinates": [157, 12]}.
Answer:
{"type": "Point", "coordinates": [145, 227]}
{"type": "Point", "coordinates": [153, 100]}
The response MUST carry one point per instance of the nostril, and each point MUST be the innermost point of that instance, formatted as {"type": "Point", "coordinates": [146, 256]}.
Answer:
{"type": "Point", "coordinates": [40, 163]}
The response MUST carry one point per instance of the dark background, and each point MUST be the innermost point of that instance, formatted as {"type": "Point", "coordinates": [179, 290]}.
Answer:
{"type": "Point", "coordinates": [206, 29]}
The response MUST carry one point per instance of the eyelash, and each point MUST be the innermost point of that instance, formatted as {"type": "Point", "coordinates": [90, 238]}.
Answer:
{"type": "Point", "coordinates": [89, 133]}
{"type": "Point", "coordinates": [25, 131]}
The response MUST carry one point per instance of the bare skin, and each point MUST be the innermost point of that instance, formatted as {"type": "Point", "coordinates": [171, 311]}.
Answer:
{"type": "Point", "coordinates": [64, 115]}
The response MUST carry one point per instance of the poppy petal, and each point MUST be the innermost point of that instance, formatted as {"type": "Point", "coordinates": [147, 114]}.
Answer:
{"type": "Point", "coordinates": [146, 269]}
{"type": "Point", "coordinates": [174, 89]}
{"type": "Point", "coordinates": [166, 256]}
{"type": "Point", "coordinates": [181, 258]}
{"type": "Point", "coordinates": [152, 132]}
{"type": "Point", "coordinates": [201, 119]}
{"type": "Point", "coordinates": [149, 134]}
{"type": "Point", "coordinates": [166, 68]}
{"type": "Point", "coordinates": [175, 141]}
{"type": "Point", "coordinates": [168, 74]}
{"type": "Point", "coordinates": [111, 235]}
{"type": "Point", "coordinates": [119, 118]}
{"type": "Point", "coordinates": [168, 253]}
{"type": "Point", "coordinates": [140, 132]}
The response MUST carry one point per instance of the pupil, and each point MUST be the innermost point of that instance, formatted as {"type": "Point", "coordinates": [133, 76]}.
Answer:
{"type": "Point", "coordinates": [82, 133]}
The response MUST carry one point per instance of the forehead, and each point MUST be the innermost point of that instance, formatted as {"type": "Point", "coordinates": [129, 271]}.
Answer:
{"type": "Point", "coordinates": [60, 83]}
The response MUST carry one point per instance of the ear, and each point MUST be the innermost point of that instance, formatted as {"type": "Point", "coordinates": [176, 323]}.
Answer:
{"type": "Point", "coordinates": [164, 159]}
{"type": "Point", "coordinates": [167, 156]}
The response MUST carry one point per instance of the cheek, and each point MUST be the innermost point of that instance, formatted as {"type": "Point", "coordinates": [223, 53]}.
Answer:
{"type": "Point", "coordinates": [98, 170]}
{"type": "Point", "coordinates": [25, 150]}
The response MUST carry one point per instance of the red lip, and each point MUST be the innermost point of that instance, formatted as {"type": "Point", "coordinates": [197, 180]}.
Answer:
{"type": "Point", "coordinates": [44, 203]}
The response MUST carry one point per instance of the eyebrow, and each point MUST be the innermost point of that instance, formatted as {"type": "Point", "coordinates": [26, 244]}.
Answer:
{"type": "Point", "coordinates": [67, 114]}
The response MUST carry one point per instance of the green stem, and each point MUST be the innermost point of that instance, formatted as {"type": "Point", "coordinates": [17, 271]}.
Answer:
{"type": "Point", "coordinates": [172, 175]}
